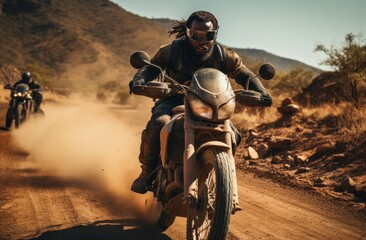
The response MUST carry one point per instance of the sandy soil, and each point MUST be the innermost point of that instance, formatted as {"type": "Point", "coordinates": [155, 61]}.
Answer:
{"type": "Point", "coordinates": [39, 202]}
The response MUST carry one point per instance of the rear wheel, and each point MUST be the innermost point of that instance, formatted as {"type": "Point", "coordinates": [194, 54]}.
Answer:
{"type": "Point", "coordinates": [210, 217]}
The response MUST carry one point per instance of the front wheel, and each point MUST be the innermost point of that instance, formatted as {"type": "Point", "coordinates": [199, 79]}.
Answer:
{"type": "Point", "coordinates": [210, 217]}
{"type": "Point", "coordinates": [18, 116]}
{"type": "Point", "coordinates": [9, 118]}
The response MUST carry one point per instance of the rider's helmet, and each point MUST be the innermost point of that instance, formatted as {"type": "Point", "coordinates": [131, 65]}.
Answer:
{"type": "Point", "coordinates": [26, 76]}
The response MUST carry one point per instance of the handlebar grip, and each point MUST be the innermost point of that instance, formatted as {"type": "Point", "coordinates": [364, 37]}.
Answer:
{"type": "Point", "coordinates": [248, 98]}
{"type": "Point", "coordinates": [155, 92]}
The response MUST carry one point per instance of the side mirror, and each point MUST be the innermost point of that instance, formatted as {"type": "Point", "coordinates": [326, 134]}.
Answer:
{"type": "Point", "coordinates": [139, 59]}
{"type": "Point", "coordinates": [7, 86]}
{"type": "Point", "coordinates": [267, 71]}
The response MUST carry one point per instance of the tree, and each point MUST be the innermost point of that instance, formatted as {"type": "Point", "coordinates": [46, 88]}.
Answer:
{"type": "Point", "coordinates": [350, 58]}
{"type": "Point", "coordinates": [348, 61]}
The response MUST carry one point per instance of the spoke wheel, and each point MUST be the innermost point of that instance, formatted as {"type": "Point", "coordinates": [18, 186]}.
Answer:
{"type": "Point", "coordinates": [210, 217]}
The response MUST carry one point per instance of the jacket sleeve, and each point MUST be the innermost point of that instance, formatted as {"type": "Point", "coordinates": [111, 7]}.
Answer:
{"type": "Point", "coordinates": [15, 84]}
{"type": "Point", "coordinates": [238, 71]}
{"type": "Point", "coordinates": [149, 73]}
{"type": "Point", "coordinates": [36, 86]}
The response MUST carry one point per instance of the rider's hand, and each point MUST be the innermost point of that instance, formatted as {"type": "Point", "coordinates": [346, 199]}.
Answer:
{"type": "Point", "coordinates": [135, 82]}
{"type": "Point", "coordinates": [266, 101]}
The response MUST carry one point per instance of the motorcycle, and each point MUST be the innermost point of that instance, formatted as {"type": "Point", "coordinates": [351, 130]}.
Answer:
{"type": "Point", "coordinates": [21, 105]}
{"type": "Point", "coordinates": [196, 176]}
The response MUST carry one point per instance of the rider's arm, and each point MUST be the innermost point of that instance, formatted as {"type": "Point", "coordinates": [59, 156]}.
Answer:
{"type": "Point", "coordinates": [15, 84]}
{"type": "Point", "coordinates": [35, 86]}
{"type": "Point", "coordinates": [238, 71]}
{"type": "Point", "coordinates": [149, 73]}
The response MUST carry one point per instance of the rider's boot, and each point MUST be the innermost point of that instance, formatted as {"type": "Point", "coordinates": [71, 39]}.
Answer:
{"type": "Point", "coordinates": [138, 185]}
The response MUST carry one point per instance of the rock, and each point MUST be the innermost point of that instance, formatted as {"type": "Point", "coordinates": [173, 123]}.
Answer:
{"type": "Point", "coordinates": [276, 160]}
{"type": "Point", "coordinates": [252, 153]}
{"type": "Point", "coordinates": [302, 170]}
{"type": "Point", "coordinates": [279, 143]}
{"type": "Point", "coordinates": [301, 159]}
{"type": "Point", "coordinates": [290, 109]}
{"type": "Point", "coordinates": [325, 148]}
{"type": "Point", "coordinates": [286, 166]}
{"type": "Point", "coordinates": [253, 133]}
{"type": "Point", "coordinates": [262, 149]}
{"type": "Point", "coordinates": [320, 182]}
{"type": "Point", "coordinates": [360, 190]}
{"type": "Point", "coordinates": [338, 187]}
{"type": "Point", "coordinates": [348, 185]}
{"type": "Point", "coordinates": [287, 101]}
{"type": "Point", "coordinates": [289, 159]}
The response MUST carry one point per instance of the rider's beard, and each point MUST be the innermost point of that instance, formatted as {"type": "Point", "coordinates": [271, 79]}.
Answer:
{"type": "Point", "coordinates": [199, 58]}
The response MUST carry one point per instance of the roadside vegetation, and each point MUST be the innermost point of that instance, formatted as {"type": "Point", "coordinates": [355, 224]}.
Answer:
{"type": "Point", "coordinates": [321, 143]}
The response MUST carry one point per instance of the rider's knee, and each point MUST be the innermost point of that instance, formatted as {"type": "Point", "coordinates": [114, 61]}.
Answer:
{"type": "Point", "coordinates": [161, 120]}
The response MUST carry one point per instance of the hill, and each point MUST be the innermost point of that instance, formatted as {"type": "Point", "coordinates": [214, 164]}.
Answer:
{"type": "Point", "coordinates": [82, 44]}
{"type": "Point", "coordinates": [74, 40]}
{"type": "Point", "coordinates": [281, 63]}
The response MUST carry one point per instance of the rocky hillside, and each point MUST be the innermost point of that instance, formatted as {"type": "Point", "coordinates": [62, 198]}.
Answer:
{"type": "Point", "coordinates": [321, 149]}
{"type": "Point", "coordinates": [9, 74]}
{"type": "Point", "coordinates": [77, 43]}
{"type": "Point", "coordinates": [68, 41]}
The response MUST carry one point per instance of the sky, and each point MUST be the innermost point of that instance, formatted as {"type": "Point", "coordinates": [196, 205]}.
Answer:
{"type": "Point", "coordinates": [287, 28]}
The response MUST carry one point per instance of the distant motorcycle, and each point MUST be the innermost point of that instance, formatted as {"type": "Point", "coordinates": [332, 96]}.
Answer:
{"type": "Point", "coordinates": [195, 177]}
{"type": "Point", "coordinates": [21, 105]}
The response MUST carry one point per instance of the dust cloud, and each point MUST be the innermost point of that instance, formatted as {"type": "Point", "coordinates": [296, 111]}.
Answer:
{"type": "Point", "coordinates": [94, 143]}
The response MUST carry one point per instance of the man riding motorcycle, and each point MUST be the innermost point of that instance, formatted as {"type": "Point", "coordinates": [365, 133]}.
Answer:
{"type": "Point", "coordinates": [195, 47]}
{"type": "Point", "coordinates": [35, 87]}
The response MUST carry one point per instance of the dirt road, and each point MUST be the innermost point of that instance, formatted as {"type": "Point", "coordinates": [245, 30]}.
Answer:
{"type": "Point", "coordinates": [38, 204]}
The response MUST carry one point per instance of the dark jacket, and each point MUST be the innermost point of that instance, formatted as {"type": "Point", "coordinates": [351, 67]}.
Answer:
{"type": "Point", "coordinates": [33, 85]}
{"type": "Point", "coordinates": [222, 58]}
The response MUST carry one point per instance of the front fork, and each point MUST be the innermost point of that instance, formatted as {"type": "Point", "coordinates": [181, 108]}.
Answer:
{"type": "Point", "coordinates": [191, 166]}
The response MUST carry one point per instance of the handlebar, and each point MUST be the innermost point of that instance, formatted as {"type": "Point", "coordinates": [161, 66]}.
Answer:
{"type": "Point", "coordinates": [158, 90]}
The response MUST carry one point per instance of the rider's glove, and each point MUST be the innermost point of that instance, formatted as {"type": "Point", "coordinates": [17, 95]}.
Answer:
{"type": "Point", "coordinates": [135, 82]}
{"type": "Point", "coordinates": [266, 101]}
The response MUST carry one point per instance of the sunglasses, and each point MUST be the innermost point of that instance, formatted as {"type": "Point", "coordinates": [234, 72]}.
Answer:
{"type": "Point", "coordinates": [201, 36]}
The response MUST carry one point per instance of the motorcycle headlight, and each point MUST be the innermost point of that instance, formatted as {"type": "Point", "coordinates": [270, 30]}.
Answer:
{"type": "Point", "coordinates": [201, 109]}
{"type": "Point", "coordinates": [226, 110]}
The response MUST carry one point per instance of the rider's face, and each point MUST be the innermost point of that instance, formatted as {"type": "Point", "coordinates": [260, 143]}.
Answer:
{"type": "Point", "coordinates": [198, 30]}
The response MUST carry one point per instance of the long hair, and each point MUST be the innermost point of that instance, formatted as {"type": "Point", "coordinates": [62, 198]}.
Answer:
{"type": "Point", "coordinates": [179, 27]}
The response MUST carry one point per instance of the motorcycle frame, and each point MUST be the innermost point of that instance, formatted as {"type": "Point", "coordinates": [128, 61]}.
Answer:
{"type": "Point", "coordinates": [192, 155]}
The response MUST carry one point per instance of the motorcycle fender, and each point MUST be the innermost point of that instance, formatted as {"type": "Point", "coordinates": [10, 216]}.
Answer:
{"type": "Point", "coordinates": [211, 144]}
{"type": "Point", "coordinates": [224, 147]}
{"type": "Point", "coordinates": [164, 137]}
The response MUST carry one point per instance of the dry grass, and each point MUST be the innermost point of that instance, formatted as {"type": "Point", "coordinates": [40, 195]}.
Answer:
{"type": "Point", "coordinates": [346, 117]}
